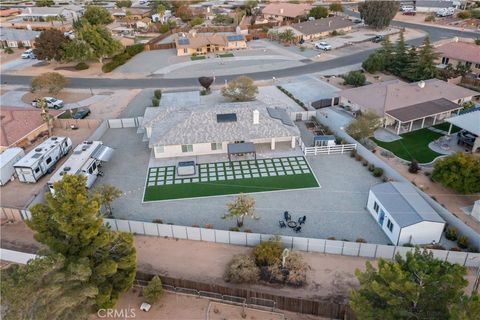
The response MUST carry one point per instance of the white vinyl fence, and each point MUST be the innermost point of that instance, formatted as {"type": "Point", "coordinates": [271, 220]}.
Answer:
{"type": "Point", "coordinates": [302, 115]}
{"type": "Point", "coordinates": [340, 148]}
{"type": "Point", "coordinates": [345, 248]}
{"type": "Point", "coordinates": [124, 123]}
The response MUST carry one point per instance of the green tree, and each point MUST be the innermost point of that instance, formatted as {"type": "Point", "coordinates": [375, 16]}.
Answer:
{"type": "Point", "coordinates": [417, 287]}
{"type": "Point", "coordinates": [287, 36]}
{"type": "Point", "coordinates": [241, 269]}
{"type": "Point", "coordinates": [68, 224]}
{"type": "Point", "coordinates": [44, 3]}
{"type": "Point", "coordinates": [336, 7]}
{"type": "Point", "coordinates": [196, 21]}
{"type": "Point", "coordinates": [268, 253]}
{"type": "Point", "coordinates": [243, 206]}
{"type": "Point", "coordinates": [96, 15]}
{"type": "Point", "coordinates": [78, 51]}
{"type": "Point", "coordinates": [377, 13]}
{"type": "Point", "coordinates": [49, 45]}
{"type": "Point", "coordinates": [106, 195]}
{"type": "Point", "coordinates": [318, 12]}
{"type": "Point", "coordinates": [153, 291]}
{"type": "Point", "coordinates": [355, 78]}
{"type": "Point", "coordinates": [123, 3]}
{"type": "Point", "coordinates": [364, 125]}
{"type": "Point", "coordinates": [387, 51]}
{"type": "Point", "coordinates": [240, 89]}
{"type": "Point", "coordinates": [46, 116]}
{"type": "Point", "coordinates": [375, 62]}
{"type": "Point", "coordinates": [47, 288]}
{"type": "Point", "coordinates": [250, 6]}
{"type": "Point", "coordinates": [411, 61]}
{"type": "Point", "coordinates": [423, 67]}
{"type": "Point", "coordinates": [184, 13]}
{"type": "Point", "coordinates": [160, 10]}
{"type": "Point", "coordinates": [222, 19]}
{"type": "Point", "coordinates": [51, 82]}
{"type": "Point", "coordinates": [400, 62]}
{"type": "Point", "coordinates": [467, 309]}
{"type": "Point", "coordinates": [459, 171]}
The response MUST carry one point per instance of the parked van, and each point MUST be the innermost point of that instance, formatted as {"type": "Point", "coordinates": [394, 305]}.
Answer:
{"type": "Point", "coordinates": [7, 159]}
{"type": "Point", "coordinates": [445, 12]}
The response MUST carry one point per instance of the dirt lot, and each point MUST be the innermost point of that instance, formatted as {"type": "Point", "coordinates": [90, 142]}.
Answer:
{"type": "Point", "coordinates": [66, 69]}
{"type": "Point", "coordinates": [5, 57]}
{"type": "Point", "coordinates": [449, 198]}
{"type": "Point", "coordinates": [19, 195]}
{"type": "Point", "coordinates": [66, 96]}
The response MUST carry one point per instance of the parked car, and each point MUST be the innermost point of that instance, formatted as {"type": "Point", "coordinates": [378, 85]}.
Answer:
{"type": "Point", "coordinates": [378, 38]}
{"type": "Point", "coordinates": [357, 21]}
{"type": "Point", "coordinates": [81, 113]}
{"type": "Point", "coordinates": [409, 13]}
{"type": "Point", "coordinates": [406, 8]}
{"type": "Point", "coordinates": [28, 54]}
{"type": "Point", "coordinates": [52, 103]}
{"type": "Point", "coordinates": [323, 46]}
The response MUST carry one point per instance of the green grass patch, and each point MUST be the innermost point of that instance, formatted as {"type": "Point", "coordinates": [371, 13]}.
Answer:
{"type": "Point", "coordinates": [445, 126]}
{"type": "Point", "coordinates": [413, 145]}
{"type": "Point", "coordinates": [226, 55]}
{"type": "Point", "coordinates": [193, 58]}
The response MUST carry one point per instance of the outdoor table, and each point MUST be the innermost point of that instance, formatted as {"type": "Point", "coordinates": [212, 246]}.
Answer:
{"type": "Point", "coordinates": [292, 224]}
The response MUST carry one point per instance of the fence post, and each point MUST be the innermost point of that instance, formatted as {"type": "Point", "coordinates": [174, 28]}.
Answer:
{"type": "Point", "coordinates": [343, 246]}
{"type": "Point", "coordinates": [186, 232]}
{"type": "Point", "coordinates": [328, 149]}
{"type": "Point", "coordinates": [308, 244]}
{"type": "Point", "coordinates": [376, 248]}
{"type": "Point", "coordinates": [466, 257]}
{"type": "Point", "coordinates": [359, 247]}
{"type": "Point", "coordinates": [143, 225]}
{"type": "Point", "coordinates": [446, 257]}
{"type": "Point", "coordinates": [343, 148]}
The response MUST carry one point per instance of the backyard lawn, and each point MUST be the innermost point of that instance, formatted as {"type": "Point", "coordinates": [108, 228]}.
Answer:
{"type": "Point", "coordinates": [220, 178]}
{"type": "Point", "coordinates": [413, 145]}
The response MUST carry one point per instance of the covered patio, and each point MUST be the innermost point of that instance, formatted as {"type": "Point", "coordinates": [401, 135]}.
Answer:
{"type": "Point", "coordinates": [469, 121]}
{"type": "Point", "coordinates": [420, 115]}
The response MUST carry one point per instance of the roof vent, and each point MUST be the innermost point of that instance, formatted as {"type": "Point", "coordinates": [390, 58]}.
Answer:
{"type": "Point", "coordinates": [66, 169]}
{"type": "Point", "coordinates": [54, 138]}
{"type": "Point", "coordinates": [421, 84]}
{"type": "Point", "coordinates": [256, 117]}
{"type": "Point", "coordinates": [38, 149]}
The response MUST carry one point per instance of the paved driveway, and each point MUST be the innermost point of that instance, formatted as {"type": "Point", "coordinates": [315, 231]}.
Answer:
{"type": "Point", "coordinates": [309, 88]}
{"type": "Point", "coordinates": [337, 209]}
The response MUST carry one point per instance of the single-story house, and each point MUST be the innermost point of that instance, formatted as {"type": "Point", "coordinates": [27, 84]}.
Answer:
{"type": "Point", "coordinates": [408, 106]}
{"type": "Point", "coordinates": [433, 5]}
{"type": "Point", "coordinates": [184, 131]}
{"type": "Point", "coordinates": [403, 214]}
{"type": "Point", "coordinates": [285, 11]}
{"type": "Point", "coordinates": [205, 43]}
{"type": "Point", "coordinates": [12, 38]}
{"type": "Point", "coordinates": [9, 12]}
{"type": "Point", "coordinates": [162, 19]}
{"type": "Point", "coordinates": [21, 126]}
{"type": "Point", "coordinates": [457, 52]}
{"type": "Point", "coordinates": [469, 121]}
{"type": "Point", "coordinates": [135, 13]}
{"type": "Point", "coordinates": [320, 28]}
{"type": "Point", "coordinates": [41, 14]}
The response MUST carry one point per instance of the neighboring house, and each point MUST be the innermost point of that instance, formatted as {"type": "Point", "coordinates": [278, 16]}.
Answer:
{"type": "Point", "coordinates": [134, 13]}
{"type": "Point", "coordinates": [194, 43]}
{"type": "Point", "coordinates": [41, 14]}
{"type": "Point", "coordinates": [469, 121]}
{"type": "Point", "coordinates": [13, 38]}
{"type": "Point", "coordinates": [9, 12]}
{"type": "Point", "coordinates": [320, 28]}
{"type": "Point", "coordinates": [433, 5]}
{"type": "Point", "coordinates": [455, 53]}
{"type": "Point", "coordinates": [407, 106]}
{"type": "Point", "coordinates": [180, 132]}
{"type": "Point", "coordinates": [285, 11]}
{"type": "Point", "coordinates": [404, 215]}
{"type": "Point", "coordinates": [162, 19]}
{"type": "Point", "coordinates": [19, 127]}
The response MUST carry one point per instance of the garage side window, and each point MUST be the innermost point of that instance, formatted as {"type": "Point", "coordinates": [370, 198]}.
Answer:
{"type": "Point", "coordinates": [216, 146]}
{"type": "Point", "coordinates": [376, 207]}
{"type": "Point", "coordinates": [187, 148]}
{"type": "Point", "coordinates": [390, 225]}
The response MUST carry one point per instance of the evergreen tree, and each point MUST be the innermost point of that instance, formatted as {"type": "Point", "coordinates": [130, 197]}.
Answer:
{"type": "Point", "coordinates": [68, 224]}
{"type": "Point", "coordinates": [416, 287]}
{"type": "Point", "coordinates": [411, 61]}
{"type": "Point", "coordinates": [423, 67]}
{"type": "Point", "coordinates": [378, 14]}
{"type": "Point", "coordinates": [387, 52]}
{"type": "Point", "coordinates": [401, 56]}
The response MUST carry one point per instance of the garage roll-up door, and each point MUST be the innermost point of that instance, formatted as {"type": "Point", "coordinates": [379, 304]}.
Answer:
{"type": "Point", "coordinates": [103, 153]}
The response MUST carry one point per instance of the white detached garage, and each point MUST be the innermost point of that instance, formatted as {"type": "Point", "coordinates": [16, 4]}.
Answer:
{"type": "Point", "coordinates": [403, 214]}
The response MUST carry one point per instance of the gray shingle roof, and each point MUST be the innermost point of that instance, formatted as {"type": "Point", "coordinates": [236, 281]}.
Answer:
{"type": "Point", "coordinates": [433, 4]}
{"type": "Point", "coordinates": [7, 34]}
{"type": "Point", "coordinates": [322, 25]}
{"type": "Point", "coordinates": [184, 125]}
{"type": "Point", "coordinates": [404, 203]}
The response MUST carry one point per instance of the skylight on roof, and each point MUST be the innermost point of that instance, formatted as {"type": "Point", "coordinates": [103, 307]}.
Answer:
{"type": "Point", "coordinates": [226, 117]}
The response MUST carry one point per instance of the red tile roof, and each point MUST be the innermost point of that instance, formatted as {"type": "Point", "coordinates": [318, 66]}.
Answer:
{"type": "Point", "coordinates": [18, 122]}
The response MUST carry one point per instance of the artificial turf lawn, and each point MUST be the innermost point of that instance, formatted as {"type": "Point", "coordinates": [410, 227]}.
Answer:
{"type": "Point", "coordinates": [445, 126]}
{"type": "Point", "coordinates": [413, 145]}
{"type": "Point", "coordinates": [215, 188]}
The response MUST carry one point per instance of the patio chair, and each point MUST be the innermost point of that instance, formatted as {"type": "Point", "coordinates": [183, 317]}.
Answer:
{"type": "Point", "coordinates": [287, 216]}
{"type": "Point", "coordinates": [298, 229]}
{"type": "Point", "coordinates": [301, 220]}
{"type": "Point", "coordinates": [282, 224]}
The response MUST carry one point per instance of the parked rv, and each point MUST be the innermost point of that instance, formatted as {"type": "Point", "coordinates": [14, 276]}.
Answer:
{"type": "Point", "coordinates": [42, 159]}
{"type": "Point", "coordinates": [446, 12]}
{"type": "Point", "coordinates": [7, 159]}
{"type": "Point", "coordinates": [86, 159]}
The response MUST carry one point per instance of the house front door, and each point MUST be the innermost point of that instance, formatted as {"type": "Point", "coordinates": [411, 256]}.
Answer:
{"type": "Point", "coordinates": [381, 217]}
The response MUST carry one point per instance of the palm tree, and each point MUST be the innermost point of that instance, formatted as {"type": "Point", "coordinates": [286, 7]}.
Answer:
{"type": "Point", "coordinates": [46, 117]}
{"type": "Point", "coordinates": [161, 11]}
{"type": "Point", "coordinates": [287, 36]}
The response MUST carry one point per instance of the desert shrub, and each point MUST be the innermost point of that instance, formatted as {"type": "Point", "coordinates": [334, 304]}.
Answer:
{"type": "Point", "coordinates": [241, 269]}
{"type": "Point", "coordinates": [353, 153]}
{"type": "Point", "coordinates": [384, 179]}
{"type": "Point", "coordinates": [358, 157]}
{"type": "Point", "coordinates": [361, 240]}
{"type": "Point", "coordinates": [153, 291]}
{"type": "Point", "coordinates": [268, 253]}
{"type": "Point", "coordinates": [209, 226]}
{"type": "Point", "coordinates": [430, 18]}
{"type": "Point", "coordinates": [413, 166]}
{"type": "Point", "coordinates": [464, 14]}
{"type": "Point", "coordinates": [377, 172]}
{"type": "Point", "coordinates": [355, 78]}
{"type": "Point", "coordinates": [81, 66]}
{"type": "Point", "coordinates": [203, 92]}
{"type": "Point", "coordinates": [157, 221]}
{"type": "Point", "coordinates": [247, 230]}
{"type": "Point", "coordinates": [455, 249]}
{"type": "Point", "coordinates": [331, 238]}
{"type": "Point", "coordinates": [158, 94]}
{"type": "Point", "coordinates": [155, 102]}
{"type": "Point", "coordinates": [462, 242]}
{"type": "Point", "coordinates": [472, 249]}
{"type": "Point", "coordinates": [8, 50]}
{"type": "Point", "coordinates": [409, 245]}
{"type": "Point", "coordinates": [294, 273]}
{"type": "Point", "coordinates": [371, 167]}
{"type": "Point", "coordinates": [427, 173]}
{"type": "Point", "coordinates": [435, 247]}
{"type": "Point", "coordinates": [365, 163]}
{"type": "Point", "coordinates": [236, 229]}
{"type": "Point", "coordinates": [451, 234]}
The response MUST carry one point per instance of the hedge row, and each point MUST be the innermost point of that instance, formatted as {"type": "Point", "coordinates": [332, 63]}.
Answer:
{"type": "Point", "coordinates": [300, 103]}
{"type": "Point", "coordinates": [123, 57]}
{"type": "Point", "coordinates": [376, 171]}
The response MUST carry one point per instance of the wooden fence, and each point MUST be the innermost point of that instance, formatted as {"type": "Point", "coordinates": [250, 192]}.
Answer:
{"type": "Point", "coordinates": [329, 309]}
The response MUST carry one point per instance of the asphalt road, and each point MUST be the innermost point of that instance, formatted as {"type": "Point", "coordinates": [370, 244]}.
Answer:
{"type": "Point", "coordinates": [434, 33]}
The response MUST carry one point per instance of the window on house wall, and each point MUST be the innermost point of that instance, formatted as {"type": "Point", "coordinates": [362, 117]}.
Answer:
{"type": "Point", "coordinates": [390, 225]}
{"type": "Point", "coordinates": [468, 64]}
{"type": "Point", "coordinates": [376, 206]}
{"type": "Point", "coordinates": [216, 146]}
{"type": "Point", "coordinates": [445, 60]}
{"type": "Point", "coordinates": [185, 50]}
{"type": "Point", "coordinates": [187, 148]}
{"type": "Point", "coordinates": [159, 149]}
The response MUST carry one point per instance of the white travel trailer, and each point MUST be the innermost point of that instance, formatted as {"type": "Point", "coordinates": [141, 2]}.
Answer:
{"type": "Point", "coordinates": [85, 160]}
{"type": "Point", "coordinates": [7, 159]}
{"type": "Point", "coordinates": [42, 159]}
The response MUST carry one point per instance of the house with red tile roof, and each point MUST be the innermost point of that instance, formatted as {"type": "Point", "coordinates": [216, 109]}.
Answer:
{"type": "Point", "coordinates": [285, 11]}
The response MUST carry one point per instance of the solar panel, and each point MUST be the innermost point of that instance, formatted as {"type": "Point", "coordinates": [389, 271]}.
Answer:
{"type": "Point", "coordinates": [237, 37]}
{"type": "Point", "coordinates": [226, 117]}
{"type": "Point", "coordinates": [183, 41]}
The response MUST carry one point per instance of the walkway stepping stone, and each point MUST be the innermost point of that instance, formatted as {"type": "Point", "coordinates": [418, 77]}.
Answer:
{"type": "Point", "coordinates": [195, 179]}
